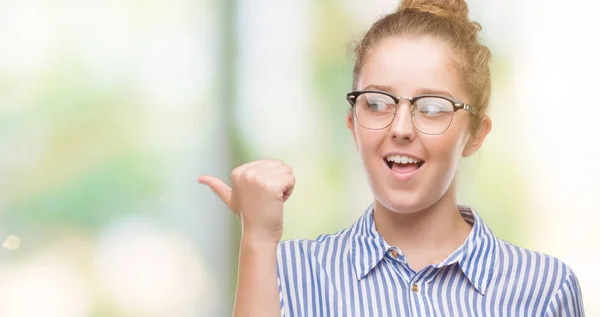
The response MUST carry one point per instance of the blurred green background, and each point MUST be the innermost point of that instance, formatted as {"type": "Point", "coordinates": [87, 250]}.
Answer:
{"type": "Point", "coordinates": [109, 110]}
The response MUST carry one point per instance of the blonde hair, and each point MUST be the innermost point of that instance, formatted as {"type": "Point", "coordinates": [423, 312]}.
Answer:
{"type": "Point", "coordinates": [449, 21]}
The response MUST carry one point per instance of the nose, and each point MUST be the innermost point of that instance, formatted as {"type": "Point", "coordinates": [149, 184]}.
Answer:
{"type": "Point", "coordinates": [402, 127]}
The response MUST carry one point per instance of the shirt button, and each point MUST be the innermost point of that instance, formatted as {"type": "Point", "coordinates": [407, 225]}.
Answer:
{"type": "Point", "coordinates": [415, 288]}
{"type": "Point", "coordinates": [394, 254]}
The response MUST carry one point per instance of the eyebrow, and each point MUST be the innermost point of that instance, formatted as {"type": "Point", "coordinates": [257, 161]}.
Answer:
{"type": "Point", "coordinates": [379, 87]}
{"type": "Point", "coordinates": [421, 91]}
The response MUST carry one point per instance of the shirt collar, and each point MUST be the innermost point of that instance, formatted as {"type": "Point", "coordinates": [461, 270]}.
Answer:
{"type": "Point", "coordinates": [476, 257]}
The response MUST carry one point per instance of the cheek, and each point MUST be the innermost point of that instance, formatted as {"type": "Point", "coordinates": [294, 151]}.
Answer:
{"type": "Point", "coordinates": [446, 149]}
{"type": "Point", "coordinates": [368, 141]}
{"type": "Point", "coordinates": [450, 144]}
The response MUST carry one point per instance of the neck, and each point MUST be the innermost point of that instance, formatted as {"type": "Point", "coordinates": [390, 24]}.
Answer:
{"type": "Point", "coordinates": [427, 236]}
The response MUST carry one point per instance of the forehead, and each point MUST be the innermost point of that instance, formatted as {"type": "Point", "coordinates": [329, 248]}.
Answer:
{"type": "Point", "coordinates": [410, 64]}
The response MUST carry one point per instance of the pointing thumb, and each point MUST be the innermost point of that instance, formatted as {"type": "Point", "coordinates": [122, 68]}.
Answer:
{"type": "Point", "coordinates": [218, 186]}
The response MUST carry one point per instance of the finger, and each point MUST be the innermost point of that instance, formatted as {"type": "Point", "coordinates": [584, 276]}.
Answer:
{"type": "Point", "coordinates": [250, 164]}
{"type": "Point", "coordinates": [260, 168]}
{"type": "Point", "coordinates": [287, 193]}
{"type": "Point", "coordinates": [218, 186]}
{"type": "Point", "coordinates": [289, 188]}
{"type": "Point", "coordinates": [284, 185]}
{"type": "Point", "coordinates": [283, 175]}
{"type": "Point", "coordinates": [280, 169]}
{"type": "Point", "coordinates": [265, 165]}
{"type": "Point", "coordinates": [240, 170]}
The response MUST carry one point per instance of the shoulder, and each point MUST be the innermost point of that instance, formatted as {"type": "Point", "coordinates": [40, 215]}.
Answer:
{"type": "Point", "coordinates": [327, 252]}
{"type": "Point", "coordinates": [537, 271]}
{"type": "Point", "coordinates": [522, 258]}
{"type": "Point", "coordinates": [295, 249]}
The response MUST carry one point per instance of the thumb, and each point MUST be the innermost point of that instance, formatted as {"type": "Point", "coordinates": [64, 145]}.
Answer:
{"type": "Point", "coordinates": [218, 186]}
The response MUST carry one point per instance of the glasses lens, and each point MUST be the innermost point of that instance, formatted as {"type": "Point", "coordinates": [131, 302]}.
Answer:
{"type": "Point", "coordinates": [374, 110]}
{"type": "Point", "coordinates": [432, 115]}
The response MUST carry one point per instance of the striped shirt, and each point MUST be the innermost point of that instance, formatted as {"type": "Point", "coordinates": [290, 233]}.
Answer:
{"type": "Point", "coordinates": [354, 272]}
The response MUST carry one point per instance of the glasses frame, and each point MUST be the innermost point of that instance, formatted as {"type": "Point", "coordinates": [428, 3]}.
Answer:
{"type": "Point", "coordinates": [351, 97]}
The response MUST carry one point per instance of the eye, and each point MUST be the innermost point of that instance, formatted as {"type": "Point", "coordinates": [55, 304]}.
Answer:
{"type": "Point", "coordinates": [377, 105]}
{"type": "Point", "coordinates": [434, 106]}
{"type": "Point", "coordinates": [375, 102]}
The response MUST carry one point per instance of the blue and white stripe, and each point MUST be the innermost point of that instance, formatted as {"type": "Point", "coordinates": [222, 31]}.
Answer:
{"type": "Point", "coordinates": [354, 273]}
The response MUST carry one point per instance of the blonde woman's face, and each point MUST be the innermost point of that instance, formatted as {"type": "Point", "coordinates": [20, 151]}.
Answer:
{"type": "Point", "coordinates": [407, 67]}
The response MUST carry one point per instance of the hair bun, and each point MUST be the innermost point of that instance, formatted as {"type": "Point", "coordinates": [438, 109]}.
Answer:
{"type": "Point", "coordinates": [454, 9]}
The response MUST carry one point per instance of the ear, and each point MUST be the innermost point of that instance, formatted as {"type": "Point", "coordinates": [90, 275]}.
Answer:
{"type": "Point", "coordinates": [476, 141]}
{"type": "Point", "coordinates": [350, 125]}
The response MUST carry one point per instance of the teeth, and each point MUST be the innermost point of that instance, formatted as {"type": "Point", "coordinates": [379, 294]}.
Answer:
{"type": "Point", "coordinates": [402, 159]}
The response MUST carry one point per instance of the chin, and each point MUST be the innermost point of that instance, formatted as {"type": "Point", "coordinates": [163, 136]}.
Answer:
{"type": "Point", "coordinates": [405, 203]}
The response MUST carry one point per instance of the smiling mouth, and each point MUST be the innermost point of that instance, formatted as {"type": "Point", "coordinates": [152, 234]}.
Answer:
{"type": "Point", "coordinates": [403, 164]}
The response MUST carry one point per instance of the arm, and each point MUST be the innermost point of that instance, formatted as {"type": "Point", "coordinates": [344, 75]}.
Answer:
{"type": "Point", "coordinates": [256, 197]}
{"type": "Point", "coordinates": [257, 292]}
{"type": "Point", "coordinates": [567, 301]}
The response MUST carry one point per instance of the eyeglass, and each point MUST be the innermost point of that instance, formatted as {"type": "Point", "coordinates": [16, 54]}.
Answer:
{"type": "Point", "coordinates": [430, 114]}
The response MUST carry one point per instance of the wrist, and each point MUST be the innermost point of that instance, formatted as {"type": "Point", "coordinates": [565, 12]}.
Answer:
{"type": "Point", "coordinates": [258, 242]}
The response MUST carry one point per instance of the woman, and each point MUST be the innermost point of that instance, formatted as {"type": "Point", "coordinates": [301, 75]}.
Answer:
{"type": "Point", "coordinates": [420, 94]}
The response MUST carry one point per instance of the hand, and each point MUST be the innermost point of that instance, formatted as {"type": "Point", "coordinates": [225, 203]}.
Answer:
{"type": "Point", "coordinates": [256, 197]}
